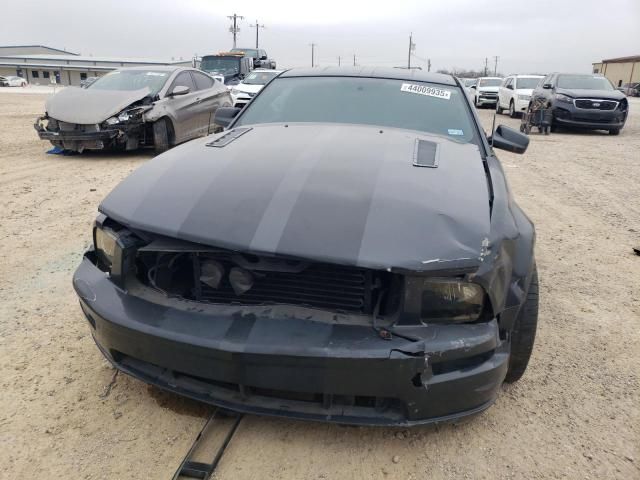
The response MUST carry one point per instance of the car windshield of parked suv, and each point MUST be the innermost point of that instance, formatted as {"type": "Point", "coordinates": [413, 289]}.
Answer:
{"type": "Point", "coordinates": [584, 82]}
{"type": "Point", "coordinates": [490, 82]}
{"type": "Point", "coordinates": [225, 65]}
{"type": "Point", "coordinates": [248, 52]}
{"type": "Point", "coordinates": [129, 80]}
{"type": "Point", "coordinates": [527, 83]}
{"type": "Point", "coordinates": [259, 78]}
{"type": "Point", "coordinates": [405, 104]}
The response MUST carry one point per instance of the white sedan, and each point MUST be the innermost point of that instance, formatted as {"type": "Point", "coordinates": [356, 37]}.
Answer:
{"type": "Point", "coordinates": [12, 81]}
{"type": "Point", "coordinates": [243, 92]}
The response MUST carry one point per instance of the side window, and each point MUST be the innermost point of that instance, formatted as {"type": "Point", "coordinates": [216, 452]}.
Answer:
{"type": "Point", "coordinates": [184, 80]}
{"type": "Point", "coordinates": [202, 81]}
{"type": "Point", "coordinates": [508, 83]}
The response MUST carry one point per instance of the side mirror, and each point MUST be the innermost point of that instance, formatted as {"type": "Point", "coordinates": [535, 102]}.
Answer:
{"type": "Point", "coordinates": [506, 138]}
{"type": "Point", "coordinates": [225, 115]}
{"type": "Point", "coordinates": [264, 57]}
{"type": "Point", "coordinates": [510, 87]}
{"type": "Point", "coordinates": [547, 86]}
{"type": "Point", "coordinates": [179, 90]}
{"type": "Point", "coordinates": [474, 86]}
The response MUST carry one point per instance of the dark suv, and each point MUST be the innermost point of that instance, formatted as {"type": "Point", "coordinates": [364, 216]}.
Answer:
{"type": "Point", "coordinates": [259, 56]}
{"type": "Point", "coordinates": [583, 101]}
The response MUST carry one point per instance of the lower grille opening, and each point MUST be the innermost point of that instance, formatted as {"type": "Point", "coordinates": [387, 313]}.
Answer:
{"type": "Point", "coordinates": [461, 363]}
{"type": "Point", "coordinates": [225, 277]}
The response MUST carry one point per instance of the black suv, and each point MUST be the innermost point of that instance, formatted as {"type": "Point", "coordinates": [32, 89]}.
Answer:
{"type": "Point", "coordinates": [583, 101]}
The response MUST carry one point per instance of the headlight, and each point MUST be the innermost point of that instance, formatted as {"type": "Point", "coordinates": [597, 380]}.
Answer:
{"type": "Point", "coordinates": [563, 98]}
{"type": "Point", "coordinates": [451, 301]}
{"type": "Point", "coordinates": [124, 116]}
{"type": "Point", "coordinates": [105, 241]}
{"type": "Point", "coordinates": [524, 98]}
{"type": "Point", "coordinates": [112, 121]}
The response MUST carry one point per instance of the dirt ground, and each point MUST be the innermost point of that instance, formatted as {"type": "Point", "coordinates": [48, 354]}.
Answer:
{"type": "Point", "coordinates": [574, 415]}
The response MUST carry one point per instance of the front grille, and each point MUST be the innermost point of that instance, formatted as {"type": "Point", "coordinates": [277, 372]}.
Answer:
{"type": "Point", "coordinates": [595, 104]}
{"type": "Point", "coordinates": [329, 287]}
{"type": "Point", "coordinates": [273, 281]}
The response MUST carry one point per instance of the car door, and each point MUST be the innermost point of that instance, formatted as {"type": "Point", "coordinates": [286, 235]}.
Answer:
{"type": "Point", "coordinates": [211, 95]}
{"type": "Point", "coordinates": [503, 92]}
{"type": "Point", "coordinates": [183, 109]}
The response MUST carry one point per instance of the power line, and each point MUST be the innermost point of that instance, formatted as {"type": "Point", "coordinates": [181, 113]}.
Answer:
{"type": "Point", "coordinates": [234, 29]}
{"type": "Point", "coordinates": [257, 27]}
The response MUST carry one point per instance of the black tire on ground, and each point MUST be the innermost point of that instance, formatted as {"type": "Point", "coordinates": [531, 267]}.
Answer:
{"type": "Point", "coordinates": [499, 109]}
{"type": "Point", "coordinates": [512, 110]}
{"type": "Point", "coordinates": [553, 128]}
{"type": "Point", "coordinates": [524, 332]}
{"type": "Point", "coordinates": [614, 131]}
{"type": "Point", "coordinates": [161, 135]}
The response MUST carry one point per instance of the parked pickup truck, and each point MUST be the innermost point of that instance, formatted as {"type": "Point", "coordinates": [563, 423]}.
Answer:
{"type": "Point", "coordinates": [259, 56]}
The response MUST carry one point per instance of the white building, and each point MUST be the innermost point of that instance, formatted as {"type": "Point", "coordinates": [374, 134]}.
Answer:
{"type": "Point", "coordinates": [42, 65]}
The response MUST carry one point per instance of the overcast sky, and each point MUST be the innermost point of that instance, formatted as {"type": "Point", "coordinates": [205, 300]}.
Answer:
{"type": "Point", "coordinates": [528, 36]}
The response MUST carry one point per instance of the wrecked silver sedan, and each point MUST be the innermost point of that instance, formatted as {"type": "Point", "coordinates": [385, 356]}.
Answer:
{"type": "Point", "coordinates": [134, 107]}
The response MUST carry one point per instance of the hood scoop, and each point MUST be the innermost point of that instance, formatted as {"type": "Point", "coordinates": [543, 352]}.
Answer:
{"type": "Point", "coordinates": [228, 137]}
{"type": "Point", "coordinates": [425, 154]}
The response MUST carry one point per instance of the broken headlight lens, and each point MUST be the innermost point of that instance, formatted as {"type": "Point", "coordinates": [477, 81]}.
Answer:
{"type": "Point", "coordinates": [105, 242]}
{"type": "Point", "coordinates": [446, 301]}
{"type": "Point", "coordinates": [563, 98]}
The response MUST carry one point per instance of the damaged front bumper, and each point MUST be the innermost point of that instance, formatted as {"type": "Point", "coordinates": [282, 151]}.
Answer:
{"type": "Point", "coordinates": [89, 137]}
{"type": "Point", "coordinates": [249, 360]}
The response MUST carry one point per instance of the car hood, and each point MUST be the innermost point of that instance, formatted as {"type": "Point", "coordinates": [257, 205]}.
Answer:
{"type": "Point", "coordinates": [243, 87]}
{"type": "Point", "coordinates": [488, 89]}
{"type": "Point", "coordinates": [524, 91]}
{"type": "Point", "coordinates": [89, 105]}
{"type": "Point", "coordinates": [336, 193]}
{"type": "Point", "coordinates": [582, 93]}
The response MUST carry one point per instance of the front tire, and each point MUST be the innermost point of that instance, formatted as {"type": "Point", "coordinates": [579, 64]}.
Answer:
{"type": "Point", "coordinates": [499, 109]}
{"type": "Point", "coordinates": [524, 332]}
{"type": "Point", "coordinates": [161, 136]}
{"type": "Point", "coordinates": [614, 131]}
{"type": "Point", "coordinates": [512, 110]}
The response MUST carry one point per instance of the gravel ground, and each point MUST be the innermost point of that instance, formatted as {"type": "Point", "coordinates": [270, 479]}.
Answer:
{"type": "Point", "coordinates": [575, 414]}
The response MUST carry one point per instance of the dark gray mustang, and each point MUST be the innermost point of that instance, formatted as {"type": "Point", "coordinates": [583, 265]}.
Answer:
{"type": "Point", "coordinates": [347, 250]}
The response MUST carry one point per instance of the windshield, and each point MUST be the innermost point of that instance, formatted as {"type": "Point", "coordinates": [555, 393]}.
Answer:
{"type": "Point", "coordinates": [469, 81]}
{"type": "Point", "coordinates": [248, 52]}
{"type": "Point", "coordinates": [489, 82]}
{"type": "Point", "coordinates": [225, 65]}
{"type": "Point", "coordinates": [129, 80]}
{"type": "Point", "coordinates": [584, 82]}
{"type": "Point", "coordinates": [259, 78]}
{"type": "Point", "coordinates": [402, 104]}
{"type": "Point", "coordinates": [529, 83]}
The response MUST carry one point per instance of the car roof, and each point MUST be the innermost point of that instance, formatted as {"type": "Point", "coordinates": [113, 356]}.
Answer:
{"type": "Point", "coordinates": [266, 70]}
{"type": "Point", "coordinates": [372, 72]}
{"type": "Point", "coordinates": [489, 78]}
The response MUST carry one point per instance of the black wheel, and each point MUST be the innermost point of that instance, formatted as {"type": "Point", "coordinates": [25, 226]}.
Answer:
{"type": "Point", "coordinates": [522, 127]}
{"type": "Point", "coordinates": [161, 135]}
{"type": "Point", "coordinates": [499, 109]}
{"type": "Point", "coordinates": [512, 110]}
{"type": "Point", "coordinates": [475, 102]}
{"type": "Point", "coordinates": [553, 128]}
{"type": "Point", "coordinates": [524, 332]}
{"type": "Point", "coordinates": [614, 131]}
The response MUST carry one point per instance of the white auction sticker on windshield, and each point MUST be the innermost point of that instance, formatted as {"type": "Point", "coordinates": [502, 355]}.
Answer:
{"type": "Point", "coordinates": [425, 90]}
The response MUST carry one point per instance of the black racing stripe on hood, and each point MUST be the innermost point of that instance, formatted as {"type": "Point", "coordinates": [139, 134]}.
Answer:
{"type": "Point", "coordinates": [329, 225]}
{"type": "Point", "coordinates": [221, 212]}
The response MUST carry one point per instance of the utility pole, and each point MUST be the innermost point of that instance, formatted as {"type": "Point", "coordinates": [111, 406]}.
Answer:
{"type": "Point", "coordinates": [354, 59]}
{"type": "Point", "coordinates": [257, 27]}
{"type": "Point", "coordinates": [485, 66]}
{"type": "Point", "coordinates": [495, 67]}
{"type": "Point", "coordinates": [428, 65]}
{"type": "Point", "coordinates": [234, 29]}
{"type": "Point", "coordinates": [313, 48]}
{"type": "Point", "coordinates": [338, 60]}
{"type": "Point", "coordinates": [412, 47]}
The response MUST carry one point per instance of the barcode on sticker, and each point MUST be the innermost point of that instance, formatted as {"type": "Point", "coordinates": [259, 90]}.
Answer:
{"type": "Point", "coordinates": [425, 90]}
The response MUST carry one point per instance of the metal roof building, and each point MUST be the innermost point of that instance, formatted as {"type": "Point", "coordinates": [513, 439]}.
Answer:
{"type": "Point", "coordinates": [620, 70]}
{"type": "Point", "coordinates": [42, 65]}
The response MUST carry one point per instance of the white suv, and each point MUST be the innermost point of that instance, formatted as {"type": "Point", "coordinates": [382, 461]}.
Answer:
{"type": "Point", "coordinates": [515, 92]}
